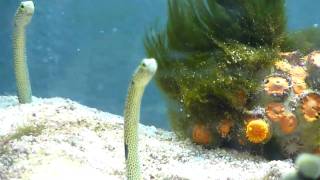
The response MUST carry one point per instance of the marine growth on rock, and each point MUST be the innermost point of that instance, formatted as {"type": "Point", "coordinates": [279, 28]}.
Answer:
{"type": "Point", "coordinates": [234, 76]}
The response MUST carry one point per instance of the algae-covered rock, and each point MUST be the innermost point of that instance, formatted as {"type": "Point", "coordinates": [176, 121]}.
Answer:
{"type": "Point", "coordinates": [224, 61]}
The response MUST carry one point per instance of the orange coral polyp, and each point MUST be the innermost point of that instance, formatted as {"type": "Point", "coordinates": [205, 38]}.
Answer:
{"type": "Point", "coordinates": [274, 111]}
{"type": "Point", "coordinates": [299, 85]}
{"type": "Point", "coordinates": [311, 107]}
{"type": "Point", "coordinates": [257, 131]}
{"type": "Point", "coordinates": [288, 123]}
{"type": "Point", "coordinates": [224, 127]}
{"type": "Point", "coordinates": [201, 134]}
{"type": "Point", "coordinates": [276, 85]}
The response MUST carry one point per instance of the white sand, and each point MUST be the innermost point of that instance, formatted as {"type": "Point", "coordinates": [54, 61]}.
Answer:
{"type": "Point", "coordinates": [72, 141]}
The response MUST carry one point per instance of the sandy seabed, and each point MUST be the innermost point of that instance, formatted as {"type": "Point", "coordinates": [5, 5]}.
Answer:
{"type": "Point", "coordinates": [58, 138]}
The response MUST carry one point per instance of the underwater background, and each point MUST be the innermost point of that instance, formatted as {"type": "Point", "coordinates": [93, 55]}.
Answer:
{"type": "Point", "coordinates": [87, 51]}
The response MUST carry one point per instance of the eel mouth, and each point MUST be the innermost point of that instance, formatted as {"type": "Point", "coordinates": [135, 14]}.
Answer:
{"type": "Point", "coordinates": [28, 7]}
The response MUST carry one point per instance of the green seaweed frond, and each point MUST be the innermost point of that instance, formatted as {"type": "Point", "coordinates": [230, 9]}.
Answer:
{"type": "Point", "coordinates": [28, 130]}
{"type": "Point", "coordinates": [252, 22]}
{"type": "Point", "coordinates": [211, 52]}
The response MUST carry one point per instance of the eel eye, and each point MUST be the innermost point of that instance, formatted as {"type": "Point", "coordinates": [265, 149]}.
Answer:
{"type": "Point", "coordinates": [144, 65]}
{"type": "Point", "coordinates": [22, 6]}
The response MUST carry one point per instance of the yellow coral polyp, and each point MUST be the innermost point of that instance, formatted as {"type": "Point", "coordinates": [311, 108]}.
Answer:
{"type": "Point", "coordinates": [257, 131]}
{"type": "Point", "coordinates": [283, 66]}
{"type": "Point", "coordinates": [298, 72]}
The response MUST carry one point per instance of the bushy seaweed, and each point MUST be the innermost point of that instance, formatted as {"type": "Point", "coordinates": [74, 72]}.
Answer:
{"type": "Point", "coordinates": [214, 59]}
{"type": "Point", "coordinates": [210, 53]}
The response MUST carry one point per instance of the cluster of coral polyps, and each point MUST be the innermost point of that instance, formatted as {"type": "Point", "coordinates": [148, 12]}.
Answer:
{"type": "Point", "coordinates": [287, 112]}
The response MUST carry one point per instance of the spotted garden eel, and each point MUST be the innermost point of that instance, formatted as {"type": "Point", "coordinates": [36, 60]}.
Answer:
{"type": "Point", "coordinates": [22, 18]}
{"type": "Point", "coordinates": [140, 79]}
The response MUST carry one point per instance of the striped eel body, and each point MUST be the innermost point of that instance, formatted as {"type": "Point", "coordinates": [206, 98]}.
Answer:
{"type": "Point", "coordinates": [140, 79]}
{"type": "Point", "coordinates": [22, 18]}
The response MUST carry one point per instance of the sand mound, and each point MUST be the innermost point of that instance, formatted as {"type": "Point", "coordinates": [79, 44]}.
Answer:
{"type": "Point", "coordinates": [58, 138]}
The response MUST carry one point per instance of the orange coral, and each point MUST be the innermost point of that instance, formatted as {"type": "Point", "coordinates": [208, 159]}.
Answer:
{"type": "Point", "coordinates": [299, 86]}
{"type": "Point", "coordinates": [311, 107]}
{"type": "Point", "coordinates": [201, 134]}
{"type": "Point", "coordinates": [224, 127]}
{"type": "Point", "coordinates": [288, 123]}
{"type": "Point", "coordinates": [257, 131]}
{"type": "Point", "coordinates": [276, 85]}
{"type": "Point", "coordinates": [274, 111]}
{"type": "Point", "coordinates": [317, 150]}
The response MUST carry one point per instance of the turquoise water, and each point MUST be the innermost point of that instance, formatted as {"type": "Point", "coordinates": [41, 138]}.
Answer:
{"type": "Point", "coordinates": [87, 50]}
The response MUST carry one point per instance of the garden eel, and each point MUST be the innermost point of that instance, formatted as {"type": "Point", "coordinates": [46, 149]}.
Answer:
{"type": "Point", "coordinates": [140, 79]}
{"type": "Point", "coordinates": [22, 18]}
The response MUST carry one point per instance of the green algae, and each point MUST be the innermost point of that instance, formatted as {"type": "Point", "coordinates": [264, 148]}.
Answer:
{"type": "Point", "coordinates": [210, 54]}
{"type": "Point", "coordinates": [213, 57]}
{"type": "Point", "coordinates": [28, 130]}
{"type": "Point", "coordinates": [254, 23]}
